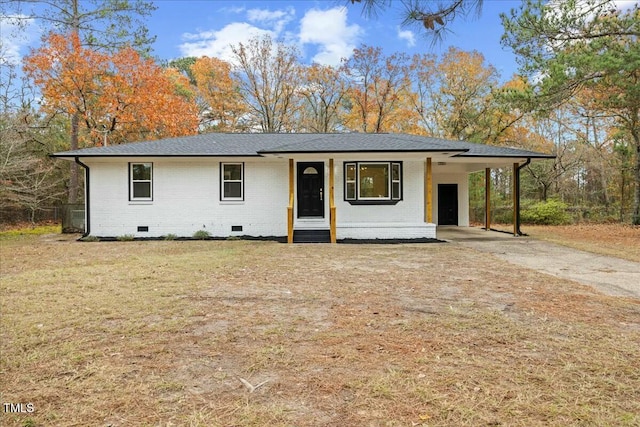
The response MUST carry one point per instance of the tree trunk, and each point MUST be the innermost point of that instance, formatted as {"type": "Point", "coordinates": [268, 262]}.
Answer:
{"type": "Point", "coordinates": [603, 171]}
{"type": "Point", "coordinates": [635, 136]}
{"type": "Point", "coordinates": [623, 200]}
{"type": "Point", "coordinates": [635, 217]}
{"type": "Point", "coordinates": [74, 182]}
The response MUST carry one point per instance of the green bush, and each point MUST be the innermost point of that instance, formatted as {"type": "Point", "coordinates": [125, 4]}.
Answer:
{"type": "Point", "coordinates": [551, 212]}
{"type": "Point", "coordinates": [170, 237]}
{"type": "Point", "coordinates": [90, 239]}
{"type": "Point", "coordinates": [201, 235]}
{"type": "Point", "coordinates": [126, 238]}
{"type": "Point", "coordinates": [501, 215]}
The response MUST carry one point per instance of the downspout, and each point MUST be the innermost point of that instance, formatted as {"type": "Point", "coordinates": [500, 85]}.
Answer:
{"type": "Point", "coordinates": [87, 216]}
{"type": "Point", "coordinates": [517, 190]}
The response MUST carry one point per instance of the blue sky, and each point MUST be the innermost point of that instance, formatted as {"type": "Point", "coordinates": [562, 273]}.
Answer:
{"type": "Point", "coordinates": [324, 31]}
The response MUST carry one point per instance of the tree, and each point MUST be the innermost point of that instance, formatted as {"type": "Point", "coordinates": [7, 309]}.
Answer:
{"type": "Point", "coordinates": [458, 96]}
{"type": "Point", "coordinates": [431, 17]}
{"type": "Point", "coordinates": [323, 90]}
{"type": "Point", "coordinates": [269, 78]}
{"type": "Point", "coordinates": [29, 180]}
{"type": "Point", "coordinates": [553, 132]}
{"type": "Point", "coordinates": [567, 47]}
{"type": "Point", "coordinates": [465, 94]}
{"type": "Point", "coordinates": [223, 107]}
{"type": "Point", "coordinates": [120, 95]}
{"type": "Point", "coordinates": [106, 25]}
{"type": "Point", "coordinates": [377, 84]}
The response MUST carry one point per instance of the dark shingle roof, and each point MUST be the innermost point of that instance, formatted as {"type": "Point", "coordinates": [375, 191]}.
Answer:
{"type": "Point", "coordinates": [256, 144]}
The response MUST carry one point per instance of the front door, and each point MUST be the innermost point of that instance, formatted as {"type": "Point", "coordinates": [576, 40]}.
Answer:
{"type": "Point", "coordinates": [447, 204]}
{"type": "Point", "coordinates": [310, 189]}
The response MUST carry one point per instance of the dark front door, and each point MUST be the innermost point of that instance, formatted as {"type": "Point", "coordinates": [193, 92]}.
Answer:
{"type": "Point", "coordinates": [447, 204]}
{"type": "Point", "coordinates": [310, 189]}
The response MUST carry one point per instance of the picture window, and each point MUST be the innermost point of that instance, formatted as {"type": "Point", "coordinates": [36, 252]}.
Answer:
{"type": "Point", "coordinates": [373, 181]}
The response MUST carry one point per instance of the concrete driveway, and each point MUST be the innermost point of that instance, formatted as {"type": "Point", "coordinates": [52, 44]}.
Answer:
{"type": "Point", "coordinates": [609, 275]}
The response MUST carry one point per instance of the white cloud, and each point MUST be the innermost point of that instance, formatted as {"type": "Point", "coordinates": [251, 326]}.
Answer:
{"type": "Point", "coordinates": [408, 36]}
{"type": "Point", "coordinates": [275, 19]}
{"type": "Point", "coordinates": [265, 15]}
{"type": "Point", "coordinates": [15, 39]}
{"type": "Point", "coordinates": [218, 43]}
{"type": "Point", "coordinates": [328, 29]}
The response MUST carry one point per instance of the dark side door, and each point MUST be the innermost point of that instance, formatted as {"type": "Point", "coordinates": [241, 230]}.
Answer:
{"type": "Point", "coordinates": [310, 189]}
{"type": "Point", "coordinates": [447, 204]}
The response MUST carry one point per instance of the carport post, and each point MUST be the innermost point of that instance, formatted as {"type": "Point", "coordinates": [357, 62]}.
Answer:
{"type": "Point", "coordinates": [487, 199]}
{"type": "Point", "coordinates": [516, 196]}
{"type": "Point", "coordinates": [516, 199]}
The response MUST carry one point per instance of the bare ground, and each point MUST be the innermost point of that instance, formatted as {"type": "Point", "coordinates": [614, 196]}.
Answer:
{"type": "Point", "coordinates": [255, 333]}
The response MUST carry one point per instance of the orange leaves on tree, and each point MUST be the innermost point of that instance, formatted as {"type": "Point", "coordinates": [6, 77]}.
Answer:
{"type": "Point", "coordinates": [225, 107]}
{"type": "Point", "coordinates": [124, 95]}
{"type": "Point", "coordinates": [465, 94]}
{"type": "Point", "coordinates": [322, 92]}
{"type": "Point", "coordinates": [380, 90]}
{"type": "Point", "coordinates": [65, 73]}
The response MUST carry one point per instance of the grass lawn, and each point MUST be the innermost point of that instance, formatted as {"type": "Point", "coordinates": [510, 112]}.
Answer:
{"type": "Point", "coordinates": [235, 333]}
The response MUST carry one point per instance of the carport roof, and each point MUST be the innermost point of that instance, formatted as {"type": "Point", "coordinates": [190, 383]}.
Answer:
{"type": "Point", "coordinates": [258, 144]}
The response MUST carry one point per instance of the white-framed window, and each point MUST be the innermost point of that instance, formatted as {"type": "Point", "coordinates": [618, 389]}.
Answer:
{"type": "Point", "coordinates": [373, 182]}
{"type": "Point", "coordinates": [140, 181]}
{"type": "Point", "coordinates": [231, 181]}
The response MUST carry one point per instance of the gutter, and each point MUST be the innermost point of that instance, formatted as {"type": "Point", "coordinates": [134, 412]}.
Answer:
{"type": "Point", "coordinates": [87, 205]}
{"type": "Point", "coordinates": [517, 190]}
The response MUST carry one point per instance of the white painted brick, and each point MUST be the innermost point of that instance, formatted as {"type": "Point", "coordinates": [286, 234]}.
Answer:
{"type": "Point", "coordinates": [186, 198]}
{"type": "Point", "coordinates": [386, 231]}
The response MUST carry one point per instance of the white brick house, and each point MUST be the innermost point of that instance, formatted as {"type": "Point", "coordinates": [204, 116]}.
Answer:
{"type": "Point", "coordinates": [313, 186]}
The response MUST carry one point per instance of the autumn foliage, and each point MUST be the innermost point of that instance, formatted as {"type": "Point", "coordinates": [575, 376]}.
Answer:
{"type": "Point", "coordinates": [123, 95]}
{"type": "Point", "coordinates": [225, 107]}
{"type": "Point", "coordinates": [379, 92]}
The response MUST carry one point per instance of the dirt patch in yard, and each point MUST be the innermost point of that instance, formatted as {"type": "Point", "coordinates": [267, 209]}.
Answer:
{"type": "Point", "coordinates": [259, 333]}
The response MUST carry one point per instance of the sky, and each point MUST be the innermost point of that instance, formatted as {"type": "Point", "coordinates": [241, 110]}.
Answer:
{"type": "Point", "coordinates": [323, 30]}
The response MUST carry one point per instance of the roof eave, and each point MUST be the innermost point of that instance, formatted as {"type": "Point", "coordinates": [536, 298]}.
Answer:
{"type": "Point", "coordinates": [439, 150]}
{"type": "Point", "coordinates": [507, 156]}
{"type": "Point", "coordinates": [73, 156]}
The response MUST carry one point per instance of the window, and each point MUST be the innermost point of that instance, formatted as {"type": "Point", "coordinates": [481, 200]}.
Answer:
{"type": "Point", "coordinates": [140, 187]}
{"type": "Point", "coordinates": [373, 182]}
{"type": "Point", "coordinates": [232, 181]}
